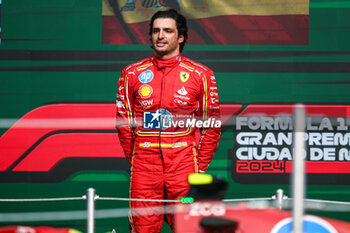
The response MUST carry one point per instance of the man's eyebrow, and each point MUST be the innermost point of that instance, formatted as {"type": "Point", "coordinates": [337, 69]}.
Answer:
{"type": "Point", "coordinates": [165, 28]}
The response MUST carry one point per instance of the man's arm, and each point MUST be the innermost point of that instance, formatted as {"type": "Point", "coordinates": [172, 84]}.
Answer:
{"type": "Point", "coordinates": [209, 109]}
{"type": "Point", "coordinates": [124, 104]}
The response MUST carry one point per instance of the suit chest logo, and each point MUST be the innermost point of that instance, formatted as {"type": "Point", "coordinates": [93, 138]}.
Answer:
{"type": "Point", "coordinates": [182, 91]}
{"type": "Point", "coordinates": [146, 76]}
{"type": "Point", "coordinates": [184, 76]}
{"type": "Point", "coordinates": [145, 91]}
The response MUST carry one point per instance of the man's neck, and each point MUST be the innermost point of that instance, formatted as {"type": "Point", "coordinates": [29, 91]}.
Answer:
{"type": "Point", "coordinates": [166, 62]}
{"type": "Point", "coordinates": [166, 56]}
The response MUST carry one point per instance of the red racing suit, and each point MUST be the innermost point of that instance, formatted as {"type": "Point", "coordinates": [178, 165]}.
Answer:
{"type": "Point", "coordinates": [160, 105]}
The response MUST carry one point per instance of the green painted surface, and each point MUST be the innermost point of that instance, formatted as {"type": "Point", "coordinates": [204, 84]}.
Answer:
{"type": "Point", "coordinates": [101, 176]}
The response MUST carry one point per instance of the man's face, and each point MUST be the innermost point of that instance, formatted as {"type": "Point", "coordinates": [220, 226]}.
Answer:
{"type": "Point", "coordinates": [165, 38]}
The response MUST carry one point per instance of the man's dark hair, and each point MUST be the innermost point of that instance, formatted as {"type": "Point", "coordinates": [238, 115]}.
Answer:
{"type": "Point", "coordinates": [181, 23]}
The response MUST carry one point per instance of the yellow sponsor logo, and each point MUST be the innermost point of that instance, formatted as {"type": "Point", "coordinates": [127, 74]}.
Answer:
{"type": "Point", "coordinates": [184, 76]}
{"type": "Point", "coordinates": [145, 91]}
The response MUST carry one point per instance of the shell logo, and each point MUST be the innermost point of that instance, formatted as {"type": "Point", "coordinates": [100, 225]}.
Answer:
{"type": "Point", "coordinates": [145, 91]}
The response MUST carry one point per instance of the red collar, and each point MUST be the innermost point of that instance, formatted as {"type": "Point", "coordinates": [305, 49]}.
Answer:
{"type": "Point", "coordinates": [169, 62]}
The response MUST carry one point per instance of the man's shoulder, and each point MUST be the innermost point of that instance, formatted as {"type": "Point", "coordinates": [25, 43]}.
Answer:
{"type": "Point", "coordinates": [137, 65]}
{"type": "Point", "coordinates": [195, 65]}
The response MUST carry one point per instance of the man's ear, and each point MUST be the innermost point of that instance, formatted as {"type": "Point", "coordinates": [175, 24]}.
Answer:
{"type": "Point", "coordinates": [181, 39]}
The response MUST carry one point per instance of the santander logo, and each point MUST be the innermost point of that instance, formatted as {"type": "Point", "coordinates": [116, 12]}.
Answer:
{"type": "Point", "coordinates": [182, 91]}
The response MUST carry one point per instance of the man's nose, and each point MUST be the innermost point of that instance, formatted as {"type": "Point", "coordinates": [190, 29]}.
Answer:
{"type": "Point", "coordinates": [161, 34]}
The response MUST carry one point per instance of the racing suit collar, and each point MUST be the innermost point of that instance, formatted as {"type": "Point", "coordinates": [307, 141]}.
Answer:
{"type": "Point", "coordinates": [169, 62]}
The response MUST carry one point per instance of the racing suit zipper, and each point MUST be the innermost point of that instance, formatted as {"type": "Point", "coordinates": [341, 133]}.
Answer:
{"type": "Point", "coordinates": [160, 131]}
{"type": "Point", "coordinates": [162, 113]}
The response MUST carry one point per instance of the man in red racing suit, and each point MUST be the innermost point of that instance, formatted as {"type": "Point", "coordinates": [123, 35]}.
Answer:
{"type": "Point", "coordinates": [160, 104]}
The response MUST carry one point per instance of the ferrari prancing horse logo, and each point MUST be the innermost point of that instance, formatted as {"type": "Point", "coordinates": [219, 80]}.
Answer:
{"type": "Point", "coordinates": [184, 76]}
